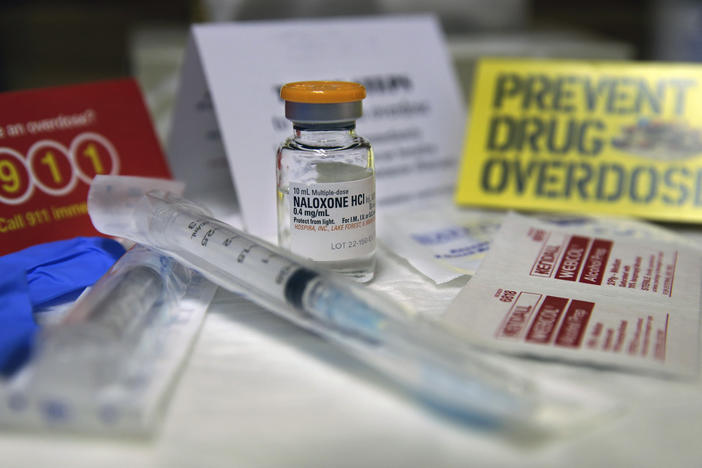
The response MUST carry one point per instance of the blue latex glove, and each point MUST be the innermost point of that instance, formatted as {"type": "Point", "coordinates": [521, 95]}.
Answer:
{"type": "Point", "coordinates": [39, 276]}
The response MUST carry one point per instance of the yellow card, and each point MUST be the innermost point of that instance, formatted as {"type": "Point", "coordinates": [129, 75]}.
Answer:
{"type": "Point", "coordinates": [595, 137]}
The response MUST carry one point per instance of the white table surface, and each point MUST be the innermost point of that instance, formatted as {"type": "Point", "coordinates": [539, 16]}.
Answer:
{"type": "Point", "coordinates": [259, 392]}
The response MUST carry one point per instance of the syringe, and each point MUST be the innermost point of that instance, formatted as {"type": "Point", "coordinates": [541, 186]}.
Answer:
{"type": "Point", "coordinates": [428, 361]}
{"type": "Point", "coordinates": [107, 364]}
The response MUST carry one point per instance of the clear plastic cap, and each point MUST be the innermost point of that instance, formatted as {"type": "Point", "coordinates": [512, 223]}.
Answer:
{"type": "Point", "coordinates": [112, 201]}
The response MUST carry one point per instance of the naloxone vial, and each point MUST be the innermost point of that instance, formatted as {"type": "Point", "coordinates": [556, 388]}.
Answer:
{"type": "Point", "coordinates": [326, 179]}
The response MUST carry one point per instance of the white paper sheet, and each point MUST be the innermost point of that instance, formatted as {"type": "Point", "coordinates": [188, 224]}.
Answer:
{"type": "Point", "coordinates": [229, 104]}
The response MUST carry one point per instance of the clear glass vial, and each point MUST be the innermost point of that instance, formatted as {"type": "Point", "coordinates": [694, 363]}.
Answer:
{"type": "Point", "coordinates": [326, 179]}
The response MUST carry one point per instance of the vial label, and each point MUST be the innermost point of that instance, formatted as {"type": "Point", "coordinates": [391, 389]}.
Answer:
{"type": "Point", "coordinates": [333, 221]}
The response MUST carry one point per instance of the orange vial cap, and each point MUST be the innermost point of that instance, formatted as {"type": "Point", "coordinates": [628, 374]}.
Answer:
{"type": "Point", "coordinates": [322, 92]}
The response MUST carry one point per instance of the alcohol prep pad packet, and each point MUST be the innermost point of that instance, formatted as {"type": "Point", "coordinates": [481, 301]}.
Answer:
{"type": "Point", "coordinates": [551, 292]}
{"type": "Point", "coordinates": [441, 242]}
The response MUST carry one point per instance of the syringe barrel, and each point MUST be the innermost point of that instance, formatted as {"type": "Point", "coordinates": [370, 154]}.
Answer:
{"type": "Point", "coordinates": [226, 255]}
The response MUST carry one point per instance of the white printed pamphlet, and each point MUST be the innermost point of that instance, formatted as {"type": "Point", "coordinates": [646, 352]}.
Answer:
{"type": "Point", "coordinates": [229, 118]}
{"type": "Point", "coordinates": [606, 300]}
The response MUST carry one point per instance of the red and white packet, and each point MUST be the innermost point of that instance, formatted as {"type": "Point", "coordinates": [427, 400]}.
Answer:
{"type": "Point", "coordinates": [605, 300]}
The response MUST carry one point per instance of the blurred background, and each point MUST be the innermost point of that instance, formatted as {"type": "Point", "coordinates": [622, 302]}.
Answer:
{"type": "Point", "coordinates": [54, 42]}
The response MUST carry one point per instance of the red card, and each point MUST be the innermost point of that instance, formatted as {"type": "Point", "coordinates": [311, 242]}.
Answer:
{"type": "Point", "coordinates": [53, 141]}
